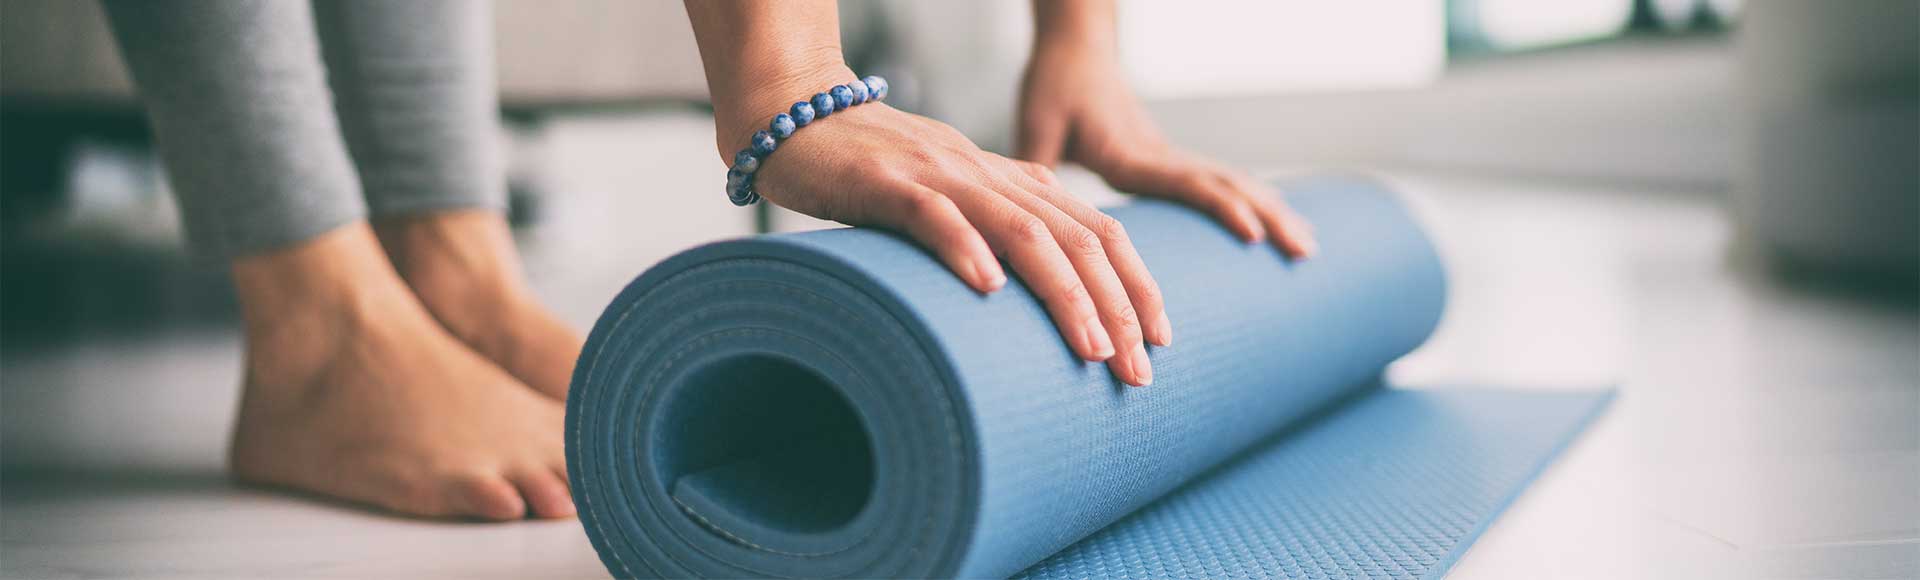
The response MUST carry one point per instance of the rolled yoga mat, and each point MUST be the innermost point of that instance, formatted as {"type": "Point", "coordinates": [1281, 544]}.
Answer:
{"type": "Point", "coordinates": [837, 404]}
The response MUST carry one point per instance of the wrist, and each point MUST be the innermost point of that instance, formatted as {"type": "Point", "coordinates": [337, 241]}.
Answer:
{"type": "Point", "coordinates": [1077, 28]}
{"type": "Point", "coordinates": [747, 100]}
{"type": "Point", "coordinates": [1075, 49]}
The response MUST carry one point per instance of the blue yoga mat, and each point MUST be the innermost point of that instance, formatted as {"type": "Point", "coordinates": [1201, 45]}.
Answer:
{"type": "Point", "coordinates": [837, 404]}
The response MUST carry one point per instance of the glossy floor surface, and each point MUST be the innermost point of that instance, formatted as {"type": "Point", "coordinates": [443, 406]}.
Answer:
{"type": "Point", "coordinates": [1764, 429]}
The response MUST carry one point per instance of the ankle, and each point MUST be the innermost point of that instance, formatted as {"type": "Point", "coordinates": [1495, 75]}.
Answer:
{"type": "Point", "coordinates": [321, 288]}
{"type": "Point", "coordinates": [457, 263]}
{"type": "Point", "coordinates": [450, 250]}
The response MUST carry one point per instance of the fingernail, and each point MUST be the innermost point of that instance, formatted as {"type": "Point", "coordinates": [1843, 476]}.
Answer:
{"type": "Point", "coordinates": [1142, 368]}
{"type": "Point", "coordinates": [1096, 339]}
{"type": "Point", "coordinates": [971, 275]}
{"type": "Point", "coordinates": [1163, 330]}
{"type": "Point", "coordinates": [991, 274]}
{"type": "Point", "coordinates": [1308, 248]}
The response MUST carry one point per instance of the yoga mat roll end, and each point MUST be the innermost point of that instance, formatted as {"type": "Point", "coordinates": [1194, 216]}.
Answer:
{"type": "Point", "coordinates": [773, 412]}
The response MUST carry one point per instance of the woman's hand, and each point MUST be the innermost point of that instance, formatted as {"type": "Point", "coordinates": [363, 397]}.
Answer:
{"type": "Point", "coordinates": [1076, 106]}
{"type": "Point", "coordinates": [874, 165]}
{"type": "Point", "coordinates": [877, 166]}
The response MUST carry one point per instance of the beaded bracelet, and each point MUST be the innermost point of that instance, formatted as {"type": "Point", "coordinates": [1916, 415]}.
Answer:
{"type": "Point", "coordinates": [740, 177]}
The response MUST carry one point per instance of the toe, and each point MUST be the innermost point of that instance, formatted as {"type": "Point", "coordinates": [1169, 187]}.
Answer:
{"type": "Point", "coordinates": [486, 497]}
{"type": "Point", "coordinates": [546, 493]}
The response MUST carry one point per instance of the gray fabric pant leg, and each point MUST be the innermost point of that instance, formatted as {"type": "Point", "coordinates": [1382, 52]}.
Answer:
{"type": "Point", "coordinates": [238, 95]}
{"type": "Point", "coordinates": [413, 82]}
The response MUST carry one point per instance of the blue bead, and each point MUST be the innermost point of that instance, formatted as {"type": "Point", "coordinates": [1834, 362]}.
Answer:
{"type": "Point", "coordinates": [859, 91]}
{"type": "Point", "coordinates": [782, 125]}
{"type": "Point", "coordinates": [877, 86]}
{"type": "Point", "coordinates": [802, 114]}
{"type": "Point", "coordinates": [822, 104]}
{"type": "Point", "coordinates": [737, 181]}
{"type": "Point", "coordinates": [742, 195]}
{"type": "Point", "coordinates": [745, 162]}
{"type": "Point", "coordinates": [762, 143]}
{"type": "Point", "coordinates": [842, 96]}
{"type": "Point", "coordinates": [740, 189]}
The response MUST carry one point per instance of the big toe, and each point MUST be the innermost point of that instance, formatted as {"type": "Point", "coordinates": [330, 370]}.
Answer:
{"type": "Point", "coordinates": [486, 497]}
{"type": "Point", "coordinates": [545, 492]}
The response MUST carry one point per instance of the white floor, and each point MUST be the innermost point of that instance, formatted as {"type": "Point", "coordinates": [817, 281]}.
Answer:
{"type": "Point", "coordinates": [1762, 431]}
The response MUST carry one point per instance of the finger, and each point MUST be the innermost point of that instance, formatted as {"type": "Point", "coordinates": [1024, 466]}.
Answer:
{"type": "Point", "coordinates": [1232, 209]}
{"type": "Point", "coordinates": [1140, 285]}
{"type": "Point", "coordinates": [1043, 138]}
{"type": "Point", "coordinates": [1290, 232]}
{"type": "Point", "coordinates": [1030, 248]}
{"type": "Point", "coordinates": [1192, 184]}
{"type": "Point", "coordinates": [933, 220]}
{"type": "Point", "coordinates": [1088, 253]}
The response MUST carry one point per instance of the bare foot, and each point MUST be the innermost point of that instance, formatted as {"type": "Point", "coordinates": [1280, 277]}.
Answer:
{"type": "Point", "coordinates": [463, 266]}
{"type": "Point", "coordinates": [352, 391]}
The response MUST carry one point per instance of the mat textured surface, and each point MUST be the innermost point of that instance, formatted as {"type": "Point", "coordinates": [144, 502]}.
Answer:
{"type": "Point", "coordinates": [836, 403]}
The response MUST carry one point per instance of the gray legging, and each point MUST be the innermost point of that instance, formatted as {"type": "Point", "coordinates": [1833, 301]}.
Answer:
{"type": "Point", "coordinates": [256, 145]}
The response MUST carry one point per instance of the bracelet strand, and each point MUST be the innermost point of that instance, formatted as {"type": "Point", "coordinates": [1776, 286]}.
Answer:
{"type": "Point", "coordinates": [740, 188]}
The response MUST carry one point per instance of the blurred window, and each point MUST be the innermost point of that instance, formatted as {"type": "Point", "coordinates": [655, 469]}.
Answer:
{"type": "Point", "coordinates": [1185, 49]}
{"type": "Point", "coordinates": [1490, 27]}
{"type": "Point", "coordinates": [1176, 50]}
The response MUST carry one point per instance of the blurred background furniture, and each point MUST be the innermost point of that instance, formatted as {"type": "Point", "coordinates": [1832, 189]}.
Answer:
{"type": "Point", "coordinates": [1830, 184]}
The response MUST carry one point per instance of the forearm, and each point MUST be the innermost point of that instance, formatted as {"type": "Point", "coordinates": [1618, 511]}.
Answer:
{"type": "Point", "coordinates": [761, 57]}
{"type": "Point", "coordinates": [1074, 24]}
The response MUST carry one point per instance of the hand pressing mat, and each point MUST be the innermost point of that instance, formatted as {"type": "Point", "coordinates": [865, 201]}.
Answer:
{"type": "Point", "coordinates": [837, 404]}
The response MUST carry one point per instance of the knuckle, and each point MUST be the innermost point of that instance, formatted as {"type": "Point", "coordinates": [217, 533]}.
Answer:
{"type": "Point", "coordinates": [1267, 204]}
{"type": "Point", "coordinates": [1028, 229]}
{"type": "Point", "coordinates": [1247, 211]}
{"type": "Point", "coordinates": [1129, 155]}
{"type": "Point", "coordinates": [1229, 206]}
{"type": "Point", "coordinates": [1124, 315]}
{"type": "Point", "coordinates": [1265, 212]}
{"type": "Point", "coordinates": [1110, 230]}
{"type": "Point", "coordinates": [1147, 293]}
{"type": "Point", "coordinates": [923, 156]}
{"type": "Point", "coordinates": [1074, 293]}
{"type": "Point", "coordinates": [1083, 241]}
{"type": "Point", "coordinates": [1197, 182]}
{"type": "Point", "coordinates": [889, 177]}
{"type": "Point", "coordinates": [874, 169]}
{"type": "Point", "coordinates": [1041, 173]}
{"type": "Point", "coordinates": [927, 206]}
{"type": "Point", "coordinates": [1220, 174]}
{"type": "Point", "coordinates": [929, 161]}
